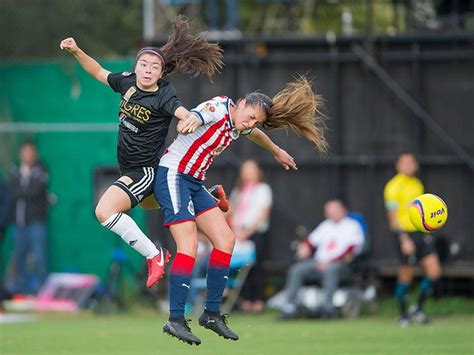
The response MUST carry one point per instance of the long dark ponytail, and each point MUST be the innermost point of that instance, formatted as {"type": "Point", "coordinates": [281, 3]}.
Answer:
{"type": "Point", "coordinates": [185, 52]}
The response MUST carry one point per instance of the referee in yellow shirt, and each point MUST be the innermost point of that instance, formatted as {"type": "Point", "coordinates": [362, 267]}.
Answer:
{"type": "Point", "coordinates": [413, 245]}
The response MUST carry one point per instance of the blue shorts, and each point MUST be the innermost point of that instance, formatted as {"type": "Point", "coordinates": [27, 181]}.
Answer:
{"type": "Point", "coordinates": [181, 197]}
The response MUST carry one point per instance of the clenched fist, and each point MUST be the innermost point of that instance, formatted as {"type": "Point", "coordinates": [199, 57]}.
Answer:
{"type": "Point", "coordinates": [69, 44]}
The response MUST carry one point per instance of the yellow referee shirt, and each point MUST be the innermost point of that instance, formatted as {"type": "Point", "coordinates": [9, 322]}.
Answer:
{"type": "Point", "coordinates": [399, 193]}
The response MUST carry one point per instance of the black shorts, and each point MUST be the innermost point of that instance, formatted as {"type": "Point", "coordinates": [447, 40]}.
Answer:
{"type": "Point", "coordinates": [141, 184]}
{"type": "Point", "coordinates": [424, 244]}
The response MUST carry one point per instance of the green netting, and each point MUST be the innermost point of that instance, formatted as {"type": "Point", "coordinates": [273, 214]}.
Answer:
{"type": "Point", "coordinates": [62, 92]}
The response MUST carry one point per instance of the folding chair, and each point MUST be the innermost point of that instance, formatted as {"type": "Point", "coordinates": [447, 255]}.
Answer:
{"type": "Point", "coordinates": [242, 261]}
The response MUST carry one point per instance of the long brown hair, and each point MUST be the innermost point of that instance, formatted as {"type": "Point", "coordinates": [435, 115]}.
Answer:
{"type": "Point", "coordinates": [296, 107]}
{"type": "Point", "coordinates": [187, 53]}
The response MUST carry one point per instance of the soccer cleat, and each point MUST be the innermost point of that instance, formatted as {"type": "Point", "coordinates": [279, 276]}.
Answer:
{"type": "Point", "coordinates": [404, 321]}
{"type": "Point", "coordinates": [180, 329]}
{"type": "Point", "coordinates": [417, 315]}
{"type": "Point", "coordinates": [156, 266]}
{"type": "Point", "coordinates": [218, 324]}
{"type": "Point", "coordinates": [217, 191]}
{"type": "Point", "coordinates": [287, 316]}
{"type": "Point", "coordinates": [289, 311]}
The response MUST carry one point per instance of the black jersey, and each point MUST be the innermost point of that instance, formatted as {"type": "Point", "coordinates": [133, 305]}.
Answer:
{"type": "Point", "coordinates": [144, 120]}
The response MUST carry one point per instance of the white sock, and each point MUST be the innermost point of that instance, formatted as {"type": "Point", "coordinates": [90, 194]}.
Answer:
{"type": "Point", "coordinates": [131, 234]}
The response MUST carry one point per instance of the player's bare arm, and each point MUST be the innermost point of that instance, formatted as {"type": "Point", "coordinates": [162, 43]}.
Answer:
{"type": "Point", "coordinates": [281, 156]}
{"type": "Point", "coordinates": [187, 121]}
{"type": "Point", "coordinates": [89, 64]}
{"type": "Point", "coordinates": [393, 219]}
{"type": "Point", "coordinates": [407, 245]}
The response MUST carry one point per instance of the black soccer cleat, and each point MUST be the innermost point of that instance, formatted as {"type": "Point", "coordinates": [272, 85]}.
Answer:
{"type": "Point", "coordinates": [180, 329]}
{"type": "Point", "coordinates": [218, 324]}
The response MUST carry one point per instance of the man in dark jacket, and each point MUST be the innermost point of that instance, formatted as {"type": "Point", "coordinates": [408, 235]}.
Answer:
{"type": "Point", "coordinates": [28, 185]}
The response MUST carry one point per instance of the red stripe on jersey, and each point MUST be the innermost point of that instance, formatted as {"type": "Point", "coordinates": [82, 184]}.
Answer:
{"type": "Point", "coordinates": [206, 151]}
{"type": "Point", "coordinates": [227, 141]}
{"type": "Point", "coordinates": [198, 142]}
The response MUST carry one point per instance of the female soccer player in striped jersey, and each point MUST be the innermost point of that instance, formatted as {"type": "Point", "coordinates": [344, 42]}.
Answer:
{"type": "Point", "coordinates": [148, 103]}
{"type": "Point", "coordinates": [187, 205]}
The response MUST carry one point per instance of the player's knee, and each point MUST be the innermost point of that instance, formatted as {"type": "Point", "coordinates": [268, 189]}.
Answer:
{"type": "Point", "coordinates": [102, 214]}
{"type": "Point", "coordinates": [188, 248]}
{"type": "Point", "coordinates": [227, 242]}
{"type": "Point", "coordinates": [193, 246]}
{"type": "Point", "coordinates": [434, 274]}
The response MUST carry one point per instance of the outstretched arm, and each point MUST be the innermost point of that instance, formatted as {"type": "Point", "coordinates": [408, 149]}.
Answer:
{"type": "Point", "coordinates": [187, 121]}
{"type": "Point", "coordinates": [280, 155]}
{"type": "Point", "coordinates": [89, 64]}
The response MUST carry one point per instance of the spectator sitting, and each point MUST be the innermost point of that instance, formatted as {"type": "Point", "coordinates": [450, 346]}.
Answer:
{"type": "Point", "coordinates": [336, 240]}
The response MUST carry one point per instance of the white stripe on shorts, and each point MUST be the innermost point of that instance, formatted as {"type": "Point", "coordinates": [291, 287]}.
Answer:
{"type": "Point", "coordinates": [173, 187]}
{"type": "Point", "coordinates": [144, 183]}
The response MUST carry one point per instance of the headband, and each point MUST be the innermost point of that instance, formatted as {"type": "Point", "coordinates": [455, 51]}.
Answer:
{"type": "Point", "coordinates": [151, 50]}
{"type": "Point", "coordinates": [265, 104]}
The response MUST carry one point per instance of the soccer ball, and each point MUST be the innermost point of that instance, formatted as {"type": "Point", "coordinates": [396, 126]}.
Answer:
{"type": "Point", "coordinates": [428, 213]}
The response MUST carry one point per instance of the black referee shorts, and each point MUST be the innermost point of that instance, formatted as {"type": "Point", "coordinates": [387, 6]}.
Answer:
{"type": "Point", "coordinates": [424, 244]}
{"type": "Point", "coordinates": [140, 183]}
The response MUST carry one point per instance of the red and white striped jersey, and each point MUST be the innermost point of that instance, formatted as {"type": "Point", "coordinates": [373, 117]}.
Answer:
{"type": "Point", "coordinates": [192, 154]}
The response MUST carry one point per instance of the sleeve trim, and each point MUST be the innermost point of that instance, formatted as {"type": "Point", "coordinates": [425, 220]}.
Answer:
{"type": "Point", "coordinates": [200, 116]}
{"type": "Point", "coordinates": [391, 205]}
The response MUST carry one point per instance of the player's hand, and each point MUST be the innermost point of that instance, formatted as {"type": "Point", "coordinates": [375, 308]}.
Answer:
{"type": "Point", "coordinates": [322, 266]}
{"type": "Point", "coordinates": [69, 44]}
{"type": "Point", "coordinates": [407, 245]}
{"type": "Point", "coordinates": [285, 159]}
{"type": "Point", "coordinates": [189, 124]}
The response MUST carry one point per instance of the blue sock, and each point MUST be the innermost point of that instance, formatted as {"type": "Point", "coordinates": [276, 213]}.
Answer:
{"type": "Point", "coordinates": [179, 284]}
{"type": "Point", "coordinates": [401, 291]}
{"type": "Point", "coordinates": [217, 276]}
{"type": "Point", "coordinates": [426, 290]}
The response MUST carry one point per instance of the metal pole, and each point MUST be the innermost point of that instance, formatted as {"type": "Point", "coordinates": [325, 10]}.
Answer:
{"type": "Point", "coordinates": [369, 17]}
{"type": "Point", "coordinates": [148, 19]}
{"type": "Point", "coordinates": [48, 127]}
{"type": "Point", "coordinates": [336, 117]}
{"type": "Point", "coordinates": [372, 155]}
{"type": "Point", "coordinates": [417, 93]}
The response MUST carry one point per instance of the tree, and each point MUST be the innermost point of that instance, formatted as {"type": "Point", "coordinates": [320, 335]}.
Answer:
{"type": "Point", "coordinates": [34, 28]}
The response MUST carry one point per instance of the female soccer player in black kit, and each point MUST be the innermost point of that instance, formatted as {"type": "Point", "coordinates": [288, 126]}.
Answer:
{"type": "Point", "coordinates": [147, 106]}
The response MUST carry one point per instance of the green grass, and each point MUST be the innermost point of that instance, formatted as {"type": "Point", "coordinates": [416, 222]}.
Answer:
{"type": "Point", "coordinates": [140, 333]}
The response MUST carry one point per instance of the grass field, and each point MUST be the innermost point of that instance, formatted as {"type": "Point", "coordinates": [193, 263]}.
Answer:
{"type": "Point", "coordinates": [139, 332]}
